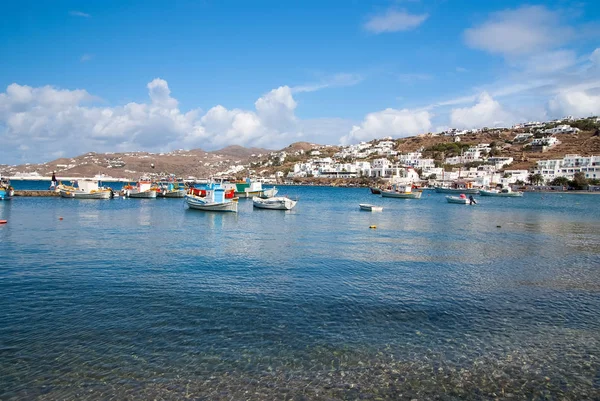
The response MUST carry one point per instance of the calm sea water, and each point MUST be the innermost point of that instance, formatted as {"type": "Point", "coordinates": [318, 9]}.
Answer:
{"type": "Point", "coordinates": [144, 299]}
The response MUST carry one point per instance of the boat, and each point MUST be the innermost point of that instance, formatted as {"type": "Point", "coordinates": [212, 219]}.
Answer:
{"type": "Point", "coordinates": [274, 203]}
{"type": "Point", "coordinates": [143, 189]}
{"type": "Point", "coordinates": [170, 190]}
{"type": "Point", "coordinates": [370, 208]}
{"type": "Point", "coordinates": [401, 191]}
{"type": "Point", "coordinates": [85, 189]}
{"type": "Point", "coordinates": [212, 197]}
{"type": "Point", "coordinates": [375, 191]}
{"type": "Point", "coordinates": [6, 190]}
{"type": "Point", "coordinates": [504, 192]}
{"type": "Point", "coordinates": [458, 187]}
{"type": "Point", "coordinates": [462, 200]}
{"type": "Point", "coordinates": [250, 189]}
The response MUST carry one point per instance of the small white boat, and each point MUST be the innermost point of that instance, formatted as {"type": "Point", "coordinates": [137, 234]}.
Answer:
{"type": "Point", "coordinates": [402, 191]}
{"type": "Point", "coordinates": [274, 203]}
{"type": "Point", "coordinates": [504, 192]}
{"type": "Point", "coordinates": [84, 189]}
{"type": "Point", "coordinates": [462, 200]}
{"type": "Point", "coordinates": [143, 189]}
{"type": "Point", "coordinates": [212, 197]}
{"type": "Point", "coordinates": [370, 208]}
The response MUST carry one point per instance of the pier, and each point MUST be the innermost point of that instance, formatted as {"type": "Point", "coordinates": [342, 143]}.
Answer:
{"type": "Point", "coordinates": [36, 193]}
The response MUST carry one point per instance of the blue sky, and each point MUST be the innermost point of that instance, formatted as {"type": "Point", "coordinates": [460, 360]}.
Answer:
{"type": "Point", "coordinates": [152, 75]}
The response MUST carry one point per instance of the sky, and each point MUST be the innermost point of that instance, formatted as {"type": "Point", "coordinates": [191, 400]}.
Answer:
{"type": "Point", "coordinates": [112, 76]}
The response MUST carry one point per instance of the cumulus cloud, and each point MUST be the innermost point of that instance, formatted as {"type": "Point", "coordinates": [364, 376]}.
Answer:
{"type": "Point", "coordinates": [576, 103]}
{"type": "Point", "coordinates": [394, 21]}
{"type": "Point", "coordinates": [486, 112]}
{"type": "Point", "coordinates": [41, 122]}
{"type": "Point", "coordinates": [389, 122]}
{"type": "Point", "coordinates": [521, 31]}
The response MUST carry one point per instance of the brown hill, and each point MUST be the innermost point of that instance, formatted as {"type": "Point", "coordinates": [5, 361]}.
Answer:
{"type": "Point", "coordinates": [240, 152]}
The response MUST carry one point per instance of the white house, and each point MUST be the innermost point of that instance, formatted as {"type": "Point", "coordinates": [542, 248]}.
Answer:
{"type": "Point", "coordinates": [562, 129]}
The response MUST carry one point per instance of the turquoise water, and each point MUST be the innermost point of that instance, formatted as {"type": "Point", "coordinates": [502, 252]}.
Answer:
{"type": "Point", "coordinates": [144, 299]}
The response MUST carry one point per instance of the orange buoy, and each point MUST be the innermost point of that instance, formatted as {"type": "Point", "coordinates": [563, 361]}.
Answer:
{"type": "Point", "coordinates": [60, 218]}
{"type": "Point", "coordinates": [3, 221]}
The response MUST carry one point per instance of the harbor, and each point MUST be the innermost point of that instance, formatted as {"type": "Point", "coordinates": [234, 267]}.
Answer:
{"type": "Point", "coordinates": [469, 299]}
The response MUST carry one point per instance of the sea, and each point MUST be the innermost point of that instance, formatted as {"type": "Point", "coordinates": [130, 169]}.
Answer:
{"type": "Point", "coordinates": [146, 299]}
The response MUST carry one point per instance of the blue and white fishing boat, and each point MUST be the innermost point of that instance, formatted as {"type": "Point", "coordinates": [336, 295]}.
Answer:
{"type": "Point", "coordinates": [6, 190]}
{"type": "Point", "coordinates": [212, 197]}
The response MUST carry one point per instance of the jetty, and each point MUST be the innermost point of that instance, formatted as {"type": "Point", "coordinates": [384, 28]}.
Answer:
{"type": "Point", "coordinates": [36, 193]}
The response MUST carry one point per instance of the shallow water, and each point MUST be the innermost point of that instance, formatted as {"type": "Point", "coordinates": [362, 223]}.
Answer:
{"type": "Point", "coordinates": [131, 298]}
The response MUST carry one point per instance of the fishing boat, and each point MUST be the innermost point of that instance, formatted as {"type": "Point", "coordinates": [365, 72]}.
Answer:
{"type": "Point", "coordinates": [462, 200]}
{"type": "Point", "coordinates": [370, 208]}
{"type": "Point", "coordinates": [143, 189]}
{"type": "Point", "coordinates": [250, 189]}
{"type": "Point", "coordinates": [170, 190]}
{"type": "Point", "coordinates": [274, 203]}
{"type": "Point", "coordinates": [458, 187]}
{"type": "Point", "coordinates": [212, 197]}
{"type": "Point", "coordinates": [85, 189]}
{"type": "Point", "coordinates": [6, 190]}
{"type": "Point", "coordinates": [504, 192]}
{"type": "Point", "coordinates": [401, 191]}
{"type": "Point", "coordinates": [375, 191]}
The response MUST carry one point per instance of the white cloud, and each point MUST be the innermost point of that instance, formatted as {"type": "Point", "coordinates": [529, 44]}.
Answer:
{"type": "Point", "coordinates": [86, 57]}
{"type": "Point", "coordinates": [79, 14]}
{"type": "Point", "coordinates": [525, 30]}
{"type": "Point", "coordinates": [576, 103]}
{"type": "Point", "coordinates": [486, 112]}
{"type": "Point", "coordinates": [337, 80]}
{"type": "Point", "coordinates": [39, 122]}
{"type": "Point", "coordinates": [389, 122]}
{"type": "Point", "coordinates": [394, 21]}
{"type": "Point", "coordinates": [461, 69]}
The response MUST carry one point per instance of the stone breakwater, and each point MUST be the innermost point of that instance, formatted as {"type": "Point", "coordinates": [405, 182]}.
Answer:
{"type": "Point", "coordinates": [34, 193]}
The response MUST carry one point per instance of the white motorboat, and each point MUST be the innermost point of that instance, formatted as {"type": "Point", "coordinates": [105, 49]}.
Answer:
{"type": "Point", "coordinates": [143, 189]}
{"type": "Point", "coordinates": [274, 203]}
{"type": "Point", "coordinates": [402, 191]}
{"type": "Point", "coordinates": [370, 208]}
{"type": "Point", "coordinates": [85, 189]}
{"type": "Point", "coordinates": [462, 200]}
{"type": "Point", "coordinates": [212, 197]}
{"type": "Point", "coordinates": [504, 192]}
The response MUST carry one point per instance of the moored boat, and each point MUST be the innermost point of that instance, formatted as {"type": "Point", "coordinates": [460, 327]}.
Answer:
{"type": "Point", "coordinates": [504, 192]}
{"type": "Point", "coordinates": [211, 197]}
{"type": "Point", "coordinates": [370, 208]}
{"type": "Point", "coordinates": [143, 189]}
{"type": "Point", "coordinates": [375, 190]}
{"type": "Point", "coordinates": [6, 190]}
{"type": "Point", "coordinates": [249, 189]}
{"type": "Point", "coordinates": [458, 187]}
{"type": "Point", "coordinates": [85, 189]}
{"type": "Point", "coordinates": [461, 200]}
{"type": "Point", "coordinates": [170, 190]}
{"type": "Point", "coordinates": [274, 203]}
{"type": "Point", "coordinates": [402, 191]}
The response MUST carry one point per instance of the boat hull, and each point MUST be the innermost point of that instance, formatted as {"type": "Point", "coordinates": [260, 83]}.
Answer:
{"type": "Point", "coordinates": [375, 191]}
{"type": "Point", "coordinates": [370, 208]}
{"type": "Point", "coordinates": [150, 194]}
{"type": "Point", "coordinates": [471, 191]}
{"type": "Point", "coordinates": [280, 203]}
{"type": "Point", "coordinates": [198, 203]}
{"type": "Point", "coordinates": [84, 195]}
{"type": "Point", "coordinates": [457, 200]}
{"type": "Point", "coordinates": [179, 193]}
{"type": "Point", "coordinates": [6, 194]}
{"type": "Point", "coordinates": [500, 194]}
{"type": "Point", "coordinates": [401, 195]}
